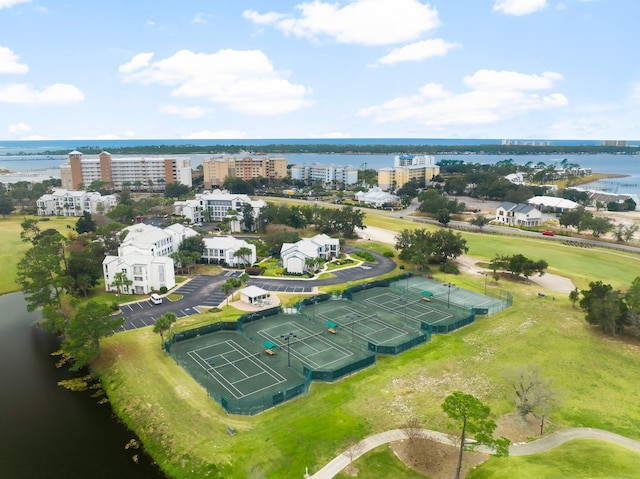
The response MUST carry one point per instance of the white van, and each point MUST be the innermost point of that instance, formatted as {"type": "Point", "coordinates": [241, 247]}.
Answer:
{"type": "Point", "coordinates": [155, 299]}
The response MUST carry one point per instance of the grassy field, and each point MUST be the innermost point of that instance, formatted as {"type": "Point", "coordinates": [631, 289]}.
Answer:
{"type": "Point", "coordinates": [13, 248]}
{"type": "Point", "coordinates": [185, 430]}
{"type": "Point", "coordinates": [380, 463]}
{"type": "Point", "coordinates": [596, 378]}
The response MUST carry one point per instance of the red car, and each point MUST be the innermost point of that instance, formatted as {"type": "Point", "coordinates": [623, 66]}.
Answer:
{"type": "Point", "coordinates": [548, 233]}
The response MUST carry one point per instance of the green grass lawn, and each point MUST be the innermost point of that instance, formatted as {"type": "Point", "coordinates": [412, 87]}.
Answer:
{"type": "Point", "coordinates": [184, 429]}
{"type": "Point", "coordinates": [577, 459]}
{"type": "Point", "coordinates": [13, 248]}
{"type": "Point", "coordinates": [380, 463]}
{"type": "Point", "coordinates": [596, 378]}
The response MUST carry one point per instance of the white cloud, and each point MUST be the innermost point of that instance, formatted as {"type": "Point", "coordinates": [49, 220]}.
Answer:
{"type": "Point", "coordinates": [418, 51]}
{"type": "Point", "coordinates": [11, 3]}
{"type": "Point", "coordinates": [243, 80]}
{"type": "Point", "coordinates": [9, 62]}
{"type": "Point", "coordinates": [519, 7]}
{"type": "Point", "coordinates": [141, 60]}
{"type": "Point", "coordinates": [189, 112]}
{"type": "Point", "coordinates": [24, 94]}
{"type": "Point", "coordinates": [493, 97]}
{"type": "Point", "coordinates": [19, 128]}
{"type": "Point", "coordinates": [201, 18]}
{"type": "Point", "coordinates": [215, 135]}
{"type": "Point", "coordinates": [363, 22]}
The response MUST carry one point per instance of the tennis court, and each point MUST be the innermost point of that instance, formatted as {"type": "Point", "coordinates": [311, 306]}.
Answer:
{"type": "Point", "coordinates": [236, 372]}
{"type": "Point", "coordinates": [313, 348]}
{"type": "Point", "coordinates": [365, 325]}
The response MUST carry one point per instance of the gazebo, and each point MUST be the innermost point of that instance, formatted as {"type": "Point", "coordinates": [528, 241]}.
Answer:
{"type": "Point", "coordinates": [253, 295]}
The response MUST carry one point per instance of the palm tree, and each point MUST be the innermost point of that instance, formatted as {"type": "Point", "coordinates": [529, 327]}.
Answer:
{"type": "Point", "coordinates": [163, 324]}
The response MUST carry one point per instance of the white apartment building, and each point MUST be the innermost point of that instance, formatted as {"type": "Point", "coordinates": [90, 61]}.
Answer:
{"type": "Point", "coordinates": [221, 250]}
{"type": "Point", "coordinates": [310, 173]}
{"type": "Point", "coordinates": [136, 172]}
{"type": "Point", "coordinates": [293, 256]}
{"type": "Point", "coordinates": [217, 205]}
{"type": "Point", "coordinates": [146, 273]}
{"type": "Point", "coordinates": [63, 202]}
{"type": "Point", "coordinates": [149, 240]}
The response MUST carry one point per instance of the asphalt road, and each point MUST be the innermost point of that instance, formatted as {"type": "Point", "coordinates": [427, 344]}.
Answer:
{"type": "Point", "coordinates": [204, 291]}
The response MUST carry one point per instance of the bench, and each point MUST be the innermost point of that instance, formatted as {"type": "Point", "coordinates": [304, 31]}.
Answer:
{"type": "Point", "coordinates": [231, 431]}
{"type": "Point", "coordinates": [332, 331]}
{"type": "Point", "coordinates": [269, 352]}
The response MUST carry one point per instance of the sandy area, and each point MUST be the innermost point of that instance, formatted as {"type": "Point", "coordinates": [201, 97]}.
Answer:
{"type": "Point", "coordinates": [551, 282]}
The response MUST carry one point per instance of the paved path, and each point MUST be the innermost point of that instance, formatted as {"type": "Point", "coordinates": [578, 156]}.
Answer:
{"type": "Point", "coordinates": [549, 442]}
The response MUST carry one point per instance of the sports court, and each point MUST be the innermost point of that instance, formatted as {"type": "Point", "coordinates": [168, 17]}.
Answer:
{"type": "Point", "coordinates": [235, 372]}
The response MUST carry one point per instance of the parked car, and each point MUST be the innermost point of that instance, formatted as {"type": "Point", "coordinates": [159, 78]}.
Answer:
{"type": "Point", "coordinates": [156, 299]}
{"type": "Point", "coordinates": [548, 233]}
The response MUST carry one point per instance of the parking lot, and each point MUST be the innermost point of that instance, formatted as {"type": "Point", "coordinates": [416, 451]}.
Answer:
{"type": "Point", "coordinates": [204, 292]}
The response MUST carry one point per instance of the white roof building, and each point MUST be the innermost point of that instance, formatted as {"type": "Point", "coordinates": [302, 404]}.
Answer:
{"type": "Point", "coordinates": [553, 202]}
{"type": "Point", "coordinates": [254, 295]}
{"type": "Point", "coordinates": [518, 214]}
{"type": "Point", "coordinates": [217, 205]}
{"type": "Point", "coordinates": [293, 256]}
{"type": "Point", "coordinates": [150, 240]}
{"type": "Point", "coordinates": [376, 197]}
{"type": "Point", "coordinates": [63, 202]}
{"type": "Point", "coordinates": [146, 273]}
{"type": "Point", "coordinates": [222, 249]}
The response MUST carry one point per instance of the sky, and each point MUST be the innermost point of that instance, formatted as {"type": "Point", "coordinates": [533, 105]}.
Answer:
{"type": "Point", "coordinates": [220, 69]}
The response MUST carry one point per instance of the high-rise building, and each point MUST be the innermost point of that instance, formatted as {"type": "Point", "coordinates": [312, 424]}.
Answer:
{"type": "Point", "coordinates": [215, 170]}
{"type": "Point", "coordinates": [347, 175]}
{"type": "Point", "coordinates": [118, 172]}
{"type": "Point", "coordinates": [407, 168]}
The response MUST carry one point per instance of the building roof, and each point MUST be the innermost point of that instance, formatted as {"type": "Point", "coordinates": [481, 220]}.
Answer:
{"type": "Point", "coordinates": [553, 202]}
{"type": "Point", "coordinates": [225, 242]}
{"type": "Point", "coordinates": [253, 291]}
{"type": "Point", "coordinates": [516, 207]}
{"type": "Point", "coordinates": [138, 259]}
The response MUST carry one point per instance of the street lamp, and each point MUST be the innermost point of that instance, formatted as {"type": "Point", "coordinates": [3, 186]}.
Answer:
{"type": "Point", "coordinates": [287, 337]}
{"type": "Point", "coordinates": [448, 294]}
{"type": "Point", "coordinates": [485, 283]}
{"type": "Point", "coordinates": [352, 318]}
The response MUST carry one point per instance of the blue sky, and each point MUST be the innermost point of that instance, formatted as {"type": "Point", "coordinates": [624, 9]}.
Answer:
{"type": "Point", "coordinates": [81, 69]}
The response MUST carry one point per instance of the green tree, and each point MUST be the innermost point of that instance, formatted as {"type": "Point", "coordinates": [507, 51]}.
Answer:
{"type": "Point", "coordinates": [176, 190]}
{"type": "Point", "coordinates": [472, 416]}
{"type": "Point", "coordinates": [443, 216]}
{"type": "Point", "coordinates": [574, 297]}
{"type": "Point", "coordinates": [229, 286]}
{"type": "Point", "coordinates": [84, 266]}
{"type": "Point", "coordinates": [243, 255]}
{"type": "Point", "coordinates": [248, 217]}
{"type": "Point", "coordinates": [122, 282]}
{"type": "Point", "coordinates": [163, 324]}
{"type": "Point", "coordinates": [42, 272]}
{"type": "Point", "coordinates": [447, 245]}
{"type": "Point", "coordinates": [6, 205]}
{"type": "Point", "coordinates": [90, 322]}
{"type": "Point", "coordinates": [604, 307]}
{"type": "Point", "coordinates": [480, 221]}
{"type": "Point", "coordinates": [85, 223]}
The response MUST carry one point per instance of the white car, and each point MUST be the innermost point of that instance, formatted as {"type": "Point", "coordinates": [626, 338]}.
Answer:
{"type": "Point", "coordinates": [156, 299]}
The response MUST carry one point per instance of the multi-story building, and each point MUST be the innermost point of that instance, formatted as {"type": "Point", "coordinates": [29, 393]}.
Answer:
{"type": "Point", "coordinates": [293, 256]}
{"type": "Point", "coordinates": [152, 241]}
{"type": "Point", "coordinates": [118, 172]}
{"type": "Point", "coordinates": [215, 170]}
{"type": "Point", "coordinates": [310, 173]}
{"type": "Point", "coordinates": [223, 250]}
{"type": "Point", "coordinates": [63, 202]}
{"type": "Point", "coordinates": [220, 205]}
{"type": "Point", "coordinates": [145, 273]}
{"type": "Point", "coordinates": [407, 168]}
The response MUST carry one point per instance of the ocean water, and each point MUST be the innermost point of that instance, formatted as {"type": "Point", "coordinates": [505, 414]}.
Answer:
{"type": "Point", "coordinates": [27, 161]}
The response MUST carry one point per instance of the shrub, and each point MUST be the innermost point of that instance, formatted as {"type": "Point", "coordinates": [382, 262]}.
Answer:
{"type": "Point", "coordinates": [163, 290]}
{"type": "Point", "coordinates": [389, 254]}
{"type": "Point", "coordinates": [365, 256]}
{"type": "Point", "coordinates": [254, 270]}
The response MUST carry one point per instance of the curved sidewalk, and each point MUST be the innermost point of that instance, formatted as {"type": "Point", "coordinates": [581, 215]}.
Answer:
{"type": "Point", "coordinates": [549, 442]}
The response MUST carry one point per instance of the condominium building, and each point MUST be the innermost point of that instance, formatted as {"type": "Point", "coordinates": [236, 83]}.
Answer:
{"type": "Point", "coordinates": [118, 172]}
{"type": "Point", "coordinates": [215, 170]}
{"type": "Point", "coordinates": [347, 175]}
{"type": "Point", "coordinates": [220, 205]}
{"type": "Point", "coordinates": [407, 168]}
{"type": "Point", "coordinates": [63, 202]}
